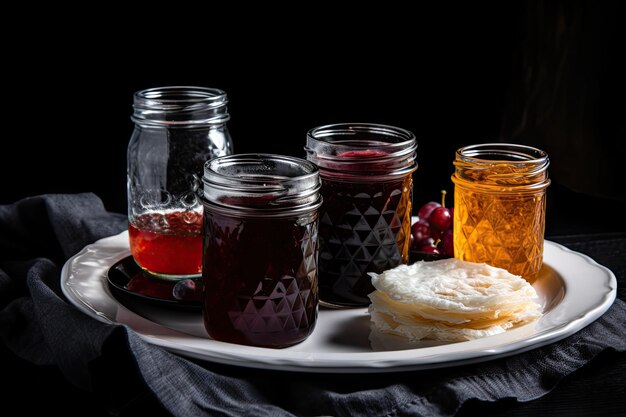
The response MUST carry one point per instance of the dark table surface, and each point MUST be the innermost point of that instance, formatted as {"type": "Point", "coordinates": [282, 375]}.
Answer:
{"type": "Point", "coordinates": [598, 389]}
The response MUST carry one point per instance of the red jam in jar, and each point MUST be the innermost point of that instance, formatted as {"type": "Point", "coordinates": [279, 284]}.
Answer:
{"type": "Point", "coordinates": [260, 249]}
{"type": "Point", "coordinates": [177, 234]}
{"type": "Point", "coordinates": [365, 219]}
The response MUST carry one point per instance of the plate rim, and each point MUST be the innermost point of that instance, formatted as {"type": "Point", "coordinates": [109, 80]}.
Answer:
{"type": "Point", "coordinates": [325, 362]}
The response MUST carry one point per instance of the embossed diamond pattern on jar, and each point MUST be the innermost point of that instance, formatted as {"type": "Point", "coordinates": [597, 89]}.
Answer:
{"type": "Point", "coordinates": [500, 203]}
{"type": "Point", "coordinates": [366, 171]}
{"type": "Point", "coordinates": [369, 236]}
{"type": "Point", "coordinates": [286, 304]}
{"type": "Point", "coordinates": [260, 249]}
{"type": "Point", "coordinates": [496, 222]}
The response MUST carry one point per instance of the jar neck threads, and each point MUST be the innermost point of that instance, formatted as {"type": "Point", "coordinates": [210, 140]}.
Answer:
{"type": "Point", "coordinates": [370, 152]}
{"type": "Point", "coordinates": [180, 106]}
{"type": "Point", "coordinates": [261, 184]}
{"type": "Point", "coordinates": [502, 167]}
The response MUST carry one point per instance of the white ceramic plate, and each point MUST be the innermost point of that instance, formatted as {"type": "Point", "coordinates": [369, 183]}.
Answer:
{"type": "Point", "coordinates": [573, 288]}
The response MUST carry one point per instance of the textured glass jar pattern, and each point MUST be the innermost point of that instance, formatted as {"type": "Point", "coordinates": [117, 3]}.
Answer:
{"type": "Point", "coordinates": [177, 129]}
{"type": "Point", "coordinates": [500, 204]}
{"type": "Point", "coordinates": [260, 249]}
{"type": "Point", "coordinates": [365, 220]}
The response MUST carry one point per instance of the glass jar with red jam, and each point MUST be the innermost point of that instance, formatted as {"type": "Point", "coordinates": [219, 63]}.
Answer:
{"type": "Point", "coordinates": [259, 256]}
{"type": "Point", "coordinates": [177, 129]}
{"type": "Point", "coordinates": [365, 220]}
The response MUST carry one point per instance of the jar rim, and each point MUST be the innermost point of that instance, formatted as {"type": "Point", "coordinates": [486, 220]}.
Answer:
{"type": "Point", "coordinates": [362, 151]}
{"type": "Point", "coordinates": [501, 167]}
{"type": "Point", "coordinates": [321, 133]}
{"type": "Point", "coordinates": [493, 153]}
{"type": "Point", "coordinates": [267, 184]}
{"type": "Point", "coordinates": [309, 169]}
{"type": "Point", "coordinates": [184, 106]}
{"type": "Point", "coordinates": [162, 97]}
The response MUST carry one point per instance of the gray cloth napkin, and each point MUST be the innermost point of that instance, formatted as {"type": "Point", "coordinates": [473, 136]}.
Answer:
{"type": "Point", "coordinates": [38, 234]}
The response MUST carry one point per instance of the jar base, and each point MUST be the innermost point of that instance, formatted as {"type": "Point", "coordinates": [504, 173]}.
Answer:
{"type": "Point", "coordinates": [338, 305]}
{"type": "Point", "coordinates": [171, 277]}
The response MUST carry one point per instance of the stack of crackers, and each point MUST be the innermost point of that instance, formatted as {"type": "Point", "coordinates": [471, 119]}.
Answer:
{"type": "Point", "coordinates": [450, 300]}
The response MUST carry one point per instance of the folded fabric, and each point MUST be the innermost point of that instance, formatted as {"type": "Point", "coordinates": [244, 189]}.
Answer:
{"type": "Point", "coordinates": [38, 234]}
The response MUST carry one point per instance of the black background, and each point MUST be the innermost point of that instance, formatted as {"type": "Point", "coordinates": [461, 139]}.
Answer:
{"type": "Point", "coordinates": [549, 74]}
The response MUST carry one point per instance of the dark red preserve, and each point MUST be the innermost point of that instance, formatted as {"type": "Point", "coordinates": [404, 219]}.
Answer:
{"type": "Point", "coordinates": [365, 220]}
{"type": "Point", "coordinates": [260, 247]}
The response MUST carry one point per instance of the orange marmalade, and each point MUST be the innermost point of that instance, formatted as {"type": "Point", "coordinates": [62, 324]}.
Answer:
{"type": "Point", "coordinates": [500, 206]}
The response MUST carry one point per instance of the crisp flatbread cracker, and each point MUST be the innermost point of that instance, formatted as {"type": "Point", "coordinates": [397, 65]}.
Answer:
{"type": "Point", "coordinates": [450, 300]}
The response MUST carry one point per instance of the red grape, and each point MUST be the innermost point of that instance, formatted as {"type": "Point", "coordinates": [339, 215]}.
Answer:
{"type": "Point", "coordinates": [429, 247]}
{"type": "Point", "coordinates": [440, 218]}
{"type": "Point", "coordinates": [420, 231]}
{"type": "Point", "coordinates": [432, 233]}
{"type": "Point", "coordinates": [184, 289]}
{"type": "Point", "coordinates": [426, 209]}
{"type": "Point", "coordinates": [446, 247]}
{"type": "Point", "coordinates": [436, 234]}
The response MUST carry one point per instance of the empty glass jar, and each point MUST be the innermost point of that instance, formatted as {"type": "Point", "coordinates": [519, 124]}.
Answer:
{"type": "Point", "coordinates": [177, 129]}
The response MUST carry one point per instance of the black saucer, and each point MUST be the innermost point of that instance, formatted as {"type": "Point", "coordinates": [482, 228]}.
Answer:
{"type": "Point", "coordinates": [128, 281]}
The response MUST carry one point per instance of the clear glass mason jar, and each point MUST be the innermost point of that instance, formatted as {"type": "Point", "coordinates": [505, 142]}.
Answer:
{"type": "Point", "coordinates": [500, 206]}
{"type": "Point", "coordinates": [260, 249]}
{"type": "Point", "coordinates": [365, 220]}
{"type": "Point", "coordinates": [177, 129]}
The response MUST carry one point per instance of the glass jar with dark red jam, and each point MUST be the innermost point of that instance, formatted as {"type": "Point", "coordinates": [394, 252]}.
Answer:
{"type": "Point", "coordinates": [260, 249]}
{"type": "Point", "coordinates": [365, 220]}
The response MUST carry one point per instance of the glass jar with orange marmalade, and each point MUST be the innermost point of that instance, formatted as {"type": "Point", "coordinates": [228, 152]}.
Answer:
{"type": "Point", "coordinates": [500, 206]}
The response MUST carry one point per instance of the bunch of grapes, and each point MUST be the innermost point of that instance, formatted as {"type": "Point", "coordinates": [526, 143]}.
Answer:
{"type": "Point", "coordinates": [432, 233]}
